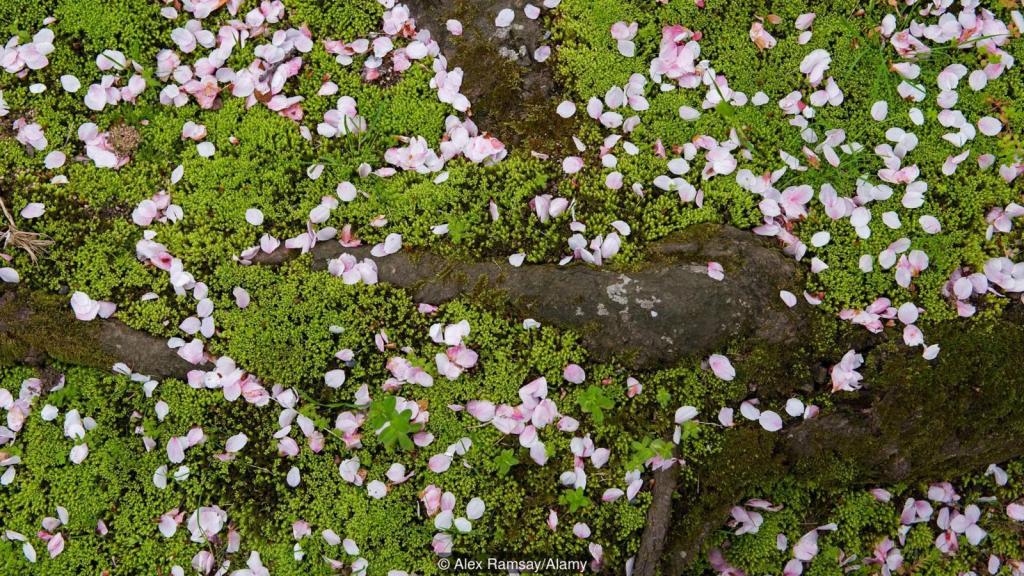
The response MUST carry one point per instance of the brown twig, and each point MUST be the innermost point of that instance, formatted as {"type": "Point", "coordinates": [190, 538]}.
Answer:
{"type": "Point", "coordinates": [31, 242]}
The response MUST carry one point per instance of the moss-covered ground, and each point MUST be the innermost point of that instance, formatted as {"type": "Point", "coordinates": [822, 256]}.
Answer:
{"type": "Point", "coordinates": [298, 319]}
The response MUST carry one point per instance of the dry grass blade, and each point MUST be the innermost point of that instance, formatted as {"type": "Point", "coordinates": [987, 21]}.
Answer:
{"type": "Point", "coordinates": [33, 243]}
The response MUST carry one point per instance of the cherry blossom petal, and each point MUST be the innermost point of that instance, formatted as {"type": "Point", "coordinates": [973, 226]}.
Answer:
{"type": "Point", "coordinates": [721, 366]}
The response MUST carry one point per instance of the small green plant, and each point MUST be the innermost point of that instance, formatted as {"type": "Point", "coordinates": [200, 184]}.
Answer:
{"type": "Point", "coordinates": [688, 430]}
{"type": "Point", "coordinates": [574, 499]}
{"type": "Point", "coordinates": [594, 401]}
{"type": "Point", "coordinates": [505, 461]}
{"type": "Point", "coordinates": [663, 396]}
{"type": "Point", "coordinates": [392, 427]}
{"type": "Point", "coordinates": [646, 449]}
{"type": "Point", "coordinates": [458, 229]}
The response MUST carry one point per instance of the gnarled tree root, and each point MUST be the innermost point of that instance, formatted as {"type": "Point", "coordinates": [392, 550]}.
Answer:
{"type": "Point", "coordinates": [659, 518]}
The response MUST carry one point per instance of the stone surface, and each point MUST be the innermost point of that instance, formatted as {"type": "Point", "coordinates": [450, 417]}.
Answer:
{"type": "Point", "coordinates": [657, 314]}
{"type": "Point", "coordinates": [514, 97]}
{"type": "Point", "coordinates": [36, 329]}
{"type": "Point", "coordinates": [914, 421]}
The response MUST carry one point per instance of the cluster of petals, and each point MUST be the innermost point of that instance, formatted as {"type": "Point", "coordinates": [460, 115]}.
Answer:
{"type": "Point", "coordinates": [156, 254]}
{"type": "Point", "coordinates": [233, 381]}
{"type": "Point", "coordinates": [440, 506]}
{"type": "Point", "coordinates": [623, 35]}
{"type": "Point", "coordinates": [599, 249]}
{"type": "Point", "coordinates": [106, 93]}
{"type": "Point", "coordinates": [342, 120]}
{"type": "Point", "coordinates": [461, 138]}
{"type": "Point", "coordinates": [352, 270]}
{"type": "Point", "coordinates": [262, 81]}
{"type": "Point", "coordinates": [677, 59]}
{"type": "Point", "coordinates": [18, 58]}
{"type": "Point", "coordinates": [458, 357]}
{"type": "Point", "coordinates": [156, 208]}
{"type": "Point", "coordinates": [98, 147]}
{"type": "Point", "coordinates": [844, 374]}
{"type": "Point", "coordinates": [402, 371]}
{"type": "Point", "coordinates": [534, 413]}
{"type": "Point", "coordinates": [769, 420]}
{"type": "Point", "coordinates": [30, 134]}
{"type": "Point", "coordinates": [87, 309]}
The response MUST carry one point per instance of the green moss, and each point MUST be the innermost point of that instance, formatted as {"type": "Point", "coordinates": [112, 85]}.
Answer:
{"type": "Point", "coordinates": [588, 64]}
{"type": "Point", "coordinates": [266, 169]}
{"type": "Point", "coordinates": [830, 486]}
{"type": "Point", "coordinates": [299, 319]}
{"type": "Point", "coordinates": [338, 19]}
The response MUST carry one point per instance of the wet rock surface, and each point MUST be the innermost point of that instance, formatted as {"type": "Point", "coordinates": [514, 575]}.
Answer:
{"type": "Point", "coordinates": [514, 97]}
{"type": "Point", "coordinates": [668, 309]}
{"type": "Point", "coordinates": [142, 352]}
{"type": "Point", "coordinates": [914, 421]}
{"type": "Point", "coordinates": [37, 329]}
{"type": "Point", "coordinates": [654, 315]}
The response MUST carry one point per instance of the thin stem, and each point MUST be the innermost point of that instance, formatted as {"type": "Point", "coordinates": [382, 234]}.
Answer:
{"type": "Point", "coordinates": [30, 242]}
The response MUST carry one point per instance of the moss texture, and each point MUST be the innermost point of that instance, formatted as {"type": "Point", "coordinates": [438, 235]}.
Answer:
{"type": "Point", "coordinates": [288, 335]}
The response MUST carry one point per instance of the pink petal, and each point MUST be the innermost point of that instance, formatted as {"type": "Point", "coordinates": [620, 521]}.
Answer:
{"type": "Point", "coordinates": [475, 509]}
{"type": "Point", "coordinates": [241, 296]}
{"type": "Point", "coordinates": [989, 126]}
{"type": "Point", "coordinates": [725, 417]}
{"type": "Point", "coordinates": [912, 336]}
{"type": "Point", "coordinates": [685, 414]}
{"type": "Point", "coordinates": [788, 297]}
{"type": "Point", "coordinates": [176, 449]}
{"type": "Point", "coordinates": [807, 547]}
{"type": "Point", "coordinates": [85, 308]}
{"type": "Point", "coordinates": [721, 366]}
{"type": "Point", "coordinates": [33, 210]}
{"type": "Point", "coordinates": [439, 463]}
{"type": "Point", "coordinates": [236, 443]}
{"type": "Point", "coordinates": [79, 453]}
{"type": "Point", "coordinates": [566, 109]}
{"type": "Point", "coordinates": [770, 421]}
{"type": "Point", "coordinates": [504, 18]}
{"type": "Point", "coordinates": [9, 275]}
{"type": "Point", "coordinates": [192, 352]}
{"type": "Point", "coordinates": [574, 373]}
{"type": "Point", "coordinates": [335, 378]}
{"type": "Point", "coordinates": [56, 545]}
{"type": "Point", "coordinates": [254, 216]}
{"type": "Point", "coordinates": [1015, 511]}
{"type": "Point", "coordinates": [572, 164]}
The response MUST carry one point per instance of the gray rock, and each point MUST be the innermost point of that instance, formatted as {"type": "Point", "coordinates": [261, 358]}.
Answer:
{"type": "Point", "coordinates": [653, 315]}
{"type": "Point", "coordinates": [915, 421]}
{"type": "Point", "coordinates": [37, 328]}
{"type": "Point", "coordinates": [513, 96]}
